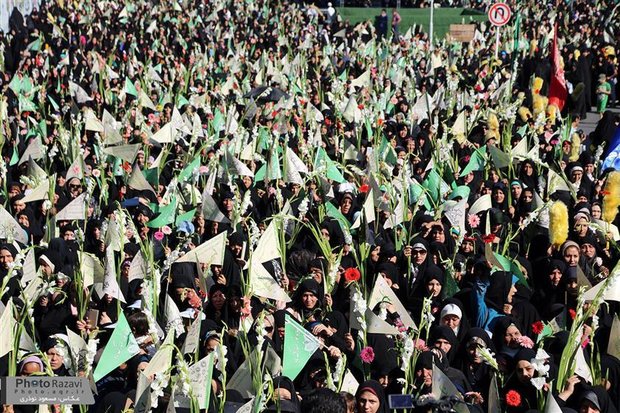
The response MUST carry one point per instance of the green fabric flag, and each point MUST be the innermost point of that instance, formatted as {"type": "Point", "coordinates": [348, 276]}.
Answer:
{"type": "Point", "coordinates": [15, 157]}
{"type": "Point", "coordinates": [166, 215]}
{"type": "Point", "coordinates": [299, 346]}
{"type": "Point", "coordinates": [121, 347]}
{"type": "Point", "coordinates": [500, 159]}
{"type": "Point", "coordinates": [16, 85]}
{"type": "Point", "coordinates": [26, 105]}
{"type": "Point", "coordinates": [53, 103]}
{"type": "Point", "coordinates": [187, 216]}
{"type": "Point", "coordinates": [151, 176]}
{"type": "Point", "coordinates": [476, 162]}
{"type": "Point", "coordinates": [264, 139]}
{"type": "Point", "coordinates": [460, 191]}
{"type": "Point", "coordinates": [432, 183]}
{"type": "Point", "coordinates": [35, 46]}
{"type": "Point", "coordinates": [218, 122]}
{"type": "Point", "coordinates": [334, 212]}
{"type": "Point", "coordinates": [188, 171]}
{"type": "Point", "coordinates": [130, 88]}
{"type": "Point", "coordinates": [182, 101]}
{"type": "Point", "coordinates": [415, 192]}
{"type": "Point", "coordinates": [332, 172]}
{"type": "Point", "coordinates": [510, 266]}
{"type": "Point", "coordinates": [387, 152]}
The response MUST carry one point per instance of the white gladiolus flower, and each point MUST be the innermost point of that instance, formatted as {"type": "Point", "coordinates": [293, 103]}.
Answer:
{"type": "Point", "coordinates": [538, 382]}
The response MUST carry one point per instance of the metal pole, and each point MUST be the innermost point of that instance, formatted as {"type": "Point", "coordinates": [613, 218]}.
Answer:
{"type": "Point", "coordinates": [430, 31]}
{"type": "Point", "coordinates": [496, 42]}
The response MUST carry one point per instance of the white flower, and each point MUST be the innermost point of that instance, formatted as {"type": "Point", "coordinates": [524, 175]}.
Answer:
{"type": "Point", "coordinates": [488, 357]}
{"type": "Point", "coordinates": [540, 366]}
{"type": "Point", "coordinates": [339, 370]}
{"type": "Point", "coordinates": [157, 388]}
{"type": "Point", "coordinates": [538, 382]}
{"type": "Point", "coordinates": [303, 208]}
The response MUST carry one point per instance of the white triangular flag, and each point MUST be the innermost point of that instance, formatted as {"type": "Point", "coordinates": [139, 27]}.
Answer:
{"type": "Point", "coordinates": [481, 204]}
{"type": "Point", "coordinates": [138, 182]}
{"type": "Point", "coordinates": [581, 366]}
{"type": "Point", "coordinates": [125, 152]}
{"type": "Point", "coordinates": [10, 228]}
{"type": "Point", "coordinates": [33, 150]}
{"type": "Point", "coordinates": [383, 293]}
{"type": "Point", "coordinates": [209, 252]}
{"type": "Point", "coordinates": [368, 210]}
{"type": "Point", "coordinates": [264, 285]}
{"type": "Point", "coordinates": [39, 193]}
{"type": "Point", "coordinates": [444, 388]}
{"type": "Point", "coordinates": [75, 210]}
{"type": "Point", "coordinates": [165, 134]}
{"type": "Point", "coordinates": [613, 346]}
{"type": "Point", "coordinates": [7, 326]}
{"type": "Point", "coordinates": [92, 123]}
{"type": "Point", "coordinates": [137, 268]}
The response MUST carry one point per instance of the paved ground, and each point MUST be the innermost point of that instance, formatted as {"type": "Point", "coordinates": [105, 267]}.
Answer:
{"type": "Point", "coordinates": [589, 123]}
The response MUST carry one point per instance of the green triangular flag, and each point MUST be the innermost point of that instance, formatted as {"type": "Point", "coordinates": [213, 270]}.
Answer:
{"type": "Point", "coordinates": [151, 176]}
{"type": "Point", "coordinates": [188, 216]}
{"type": "Point", "coordinates": [476, 162]}
{"type": "Point", "coordinates": [166, 215]}
{"type": "Point", "coordinates": [15, 157]}
{"type": "Point", "coordinates": [121, 347]}
{"type": "Point", "coordinates": [500, 159]}
{"type": "Point", "coordinates": [299, 346]}
{"type": "Point", "coordinates": [334, 212]}
{"type": "Point", "coordinates": [26, 105]}
{"type": "Point", "coordinates": [130, 88]}
{"type": "Point", "coordinates": [332, 172]}
{"type": "Point", "coordinates": [188, 171]}
{"type": "Point", "coordinates": [35, 45]}
{"type": "Point", "coordinates": [432, 184]}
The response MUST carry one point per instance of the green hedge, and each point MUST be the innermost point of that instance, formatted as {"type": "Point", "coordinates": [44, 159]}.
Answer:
{"type": "Point", "coordinates": [443, 17]}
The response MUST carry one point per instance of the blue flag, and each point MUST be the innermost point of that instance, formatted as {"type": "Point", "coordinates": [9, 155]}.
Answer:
{"type": "Point", "coordinates": [612, 155]}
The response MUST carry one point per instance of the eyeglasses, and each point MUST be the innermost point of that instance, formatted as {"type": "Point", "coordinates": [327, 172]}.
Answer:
{"type": "Point", "coordinates": [71, 186]}
{"type": "Point", "coordinates": [418, 252]}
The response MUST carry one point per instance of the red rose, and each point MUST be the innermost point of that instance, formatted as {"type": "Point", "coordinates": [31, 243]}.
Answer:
{"type": "Point", "coordinates": [352, 274]}
{"type": "Point", "coordinates": [360, 106]}
{"type": "Point", "coordinates": [538, 327]}
{"type": "Point", "coordinates": [364, 188]}
{"type": "Point", "coordinates": [572, 313]}
{"type": "Point", "coordinates": [513, 398]}
{"type": "Point", "coordinates": [489, 238]}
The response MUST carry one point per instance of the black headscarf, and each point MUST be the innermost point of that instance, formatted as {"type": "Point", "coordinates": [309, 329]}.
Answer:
{"type": "Point", "coordinates": [375, 388]}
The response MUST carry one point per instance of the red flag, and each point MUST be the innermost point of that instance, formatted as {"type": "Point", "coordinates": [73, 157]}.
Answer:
{"type": "Point", "coordinates": [557, 89]}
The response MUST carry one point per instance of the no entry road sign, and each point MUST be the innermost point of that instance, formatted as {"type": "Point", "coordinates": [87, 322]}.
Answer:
{"type": "Point", "coordinates": [499, 14]}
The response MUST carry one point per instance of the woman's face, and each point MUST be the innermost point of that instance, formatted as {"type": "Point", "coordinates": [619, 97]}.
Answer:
{"type": "Point", "coordinates": [596, 211]}
{"type": "Point", "coordinates": [433, 287]}
{"type": "Point", "coordinates": [588, 407]}
{"type": "Point", "coordinates": [451, 320]}
{"type": "Point", "coordinates": [511, 336]}
{"type": "Point", "coordinates": [345, 206]}
{"type": "Point", "coordinates": [309, 300]}
{"type": "Point", "coordinates": [443, 344]}
{"type": "Point", "coordinates": [426, 375]}
{"type": "Point", "coordinates": [55, 358]}
{"type": "Point", "coordinates": [571, 256]}
{"type": "Point", "coordinates": [218, 299]}
{"type": "Point", "coordinates": [467, 247]}
{"type": "Point", "coordinates": [525, 371]}
{"type": "Point", "coordinates": [474, 354]}
{"type": "Point", "coordinates": [581, 227]}
{"type": "Point", "coordinates": [498, 196]}
{"type": "Point", "coordinates": [368, 402]}
{"type": "Point", "coordinates": [555, 277]}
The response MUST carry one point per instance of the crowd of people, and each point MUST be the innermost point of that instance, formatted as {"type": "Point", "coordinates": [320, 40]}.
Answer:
{"type": "Point", "coordinates": [219, 205]}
